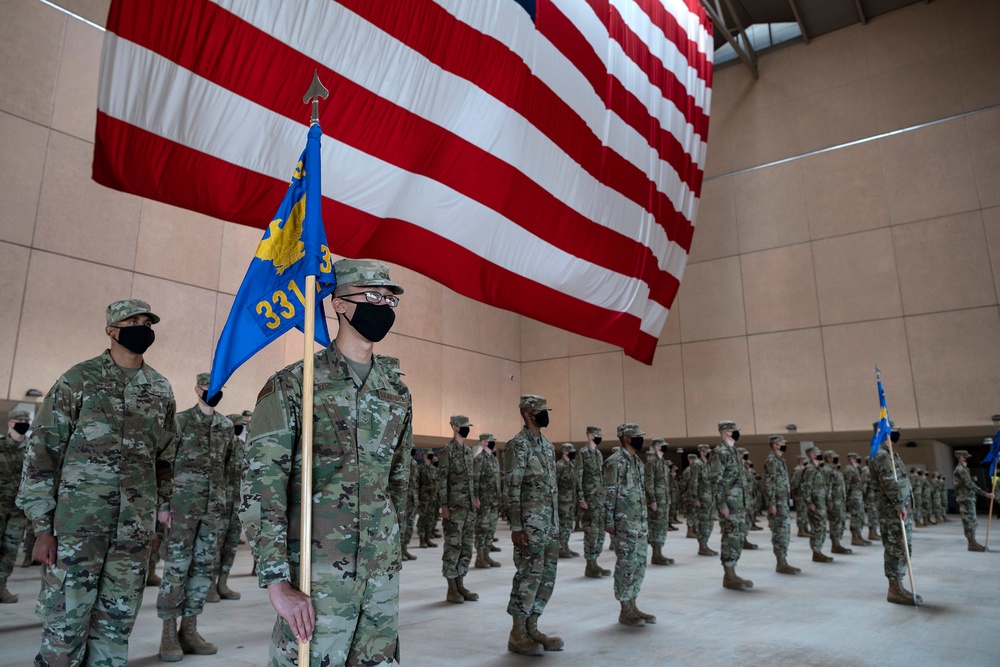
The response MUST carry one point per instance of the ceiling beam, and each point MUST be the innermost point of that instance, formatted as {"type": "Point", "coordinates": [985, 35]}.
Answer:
{"type": "Point", "coordinates": [747, 54]}
{"type": "Point", "coordinates": [798, 19]}
{"type": "Point", "coordinates": [861, 12]}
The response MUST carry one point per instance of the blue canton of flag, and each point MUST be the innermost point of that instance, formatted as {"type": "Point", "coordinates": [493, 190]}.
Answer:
{"type": "Point", "coordinates": [271, 298]}
{"type": "Point", "coordinates": [883, 429]}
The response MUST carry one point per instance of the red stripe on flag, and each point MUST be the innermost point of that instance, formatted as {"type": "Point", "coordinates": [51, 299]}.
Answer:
{"type": "Point", "coordinates": [676, 33]}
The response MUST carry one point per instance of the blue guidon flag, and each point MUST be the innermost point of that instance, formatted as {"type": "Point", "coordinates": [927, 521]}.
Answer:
{"type": "Point", "coordinates": [884, 427]}
{"type": "Point", "coordinates": [271, 299]}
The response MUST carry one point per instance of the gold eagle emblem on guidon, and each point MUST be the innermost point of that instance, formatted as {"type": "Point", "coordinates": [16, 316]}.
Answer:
{"type": "Point", "coordinates": [283, 245]}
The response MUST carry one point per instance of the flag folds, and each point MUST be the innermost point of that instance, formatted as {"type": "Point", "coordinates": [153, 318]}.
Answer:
{"type": "Point", "coordinates": [543, 157]}
{"type": "Point", "coordinates": [991, 457]}
{"type": "Point", "coordinates": [884, 427]}
{"type": "Point", "coordinates": [271, 300]}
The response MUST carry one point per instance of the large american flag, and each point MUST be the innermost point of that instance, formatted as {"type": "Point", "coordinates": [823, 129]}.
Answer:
{"type": "Point", "coordinates": [542, 156]}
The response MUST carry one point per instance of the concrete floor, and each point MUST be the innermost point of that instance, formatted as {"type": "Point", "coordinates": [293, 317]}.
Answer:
{"type": "Point", "coordinates": [833, 614]}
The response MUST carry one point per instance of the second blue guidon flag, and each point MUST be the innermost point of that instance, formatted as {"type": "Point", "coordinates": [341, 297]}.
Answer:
{"type": "Point", "coordinates": [884, 427]}
{"type": "Point", "coordinates": [994, 451]}
{"type": "Point", "coordinates": [271, 299]}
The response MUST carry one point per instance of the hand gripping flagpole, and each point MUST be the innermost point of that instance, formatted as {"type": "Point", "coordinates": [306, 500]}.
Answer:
{"type": "Point", "coordinates": [902, 521]}
{"type": "Point", "coordinates": [316, 91]}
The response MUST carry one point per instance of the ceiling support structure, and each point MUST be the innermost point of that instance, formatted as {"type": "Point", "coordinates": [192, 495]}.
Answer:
{"type": "Point", "coordinates": [798, 19]}
{"type": "Point", "coordinates": [745, 50]}
{"type": "Point", "coordinates": [861, 12]}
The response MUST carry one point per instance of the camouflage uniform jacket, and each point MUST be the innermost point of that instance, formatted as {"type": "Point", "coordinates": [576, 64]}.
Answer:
{"type": "Point", "coordinates": [234, 468]}
{"type": "Point", "coordinates": [361, 451]}
{"type": "Point", "coordinates": [413, 486]}
{"type": "Point", "coordinates": [835, 479]}
{"type": "Point", "coordinates": [686, 486]}
{"type": "Point", "coordinates": [796, 481]}
{"type": "Point", "coordinates": [656, 482]}
{"type": "Point", "coordinates": [530, 471]}
{"type": "Point", "coordinates": [625, 497]}
{"type": "Point", "coordinates": [566, 482]}
{"type": "Point", "coordinates": [728, 477]}
{"type": "Point", "coordinates": [427, 487]}
{"type": "Point", "coordinates": [204, 443]}
{"type": "Point", "coordinates": [815, 487]}
{"type": "Point", "coordinates": [893, 492]}
{"type": "Point", "coordinates": [90, 468]}
{"type": "Point", "coordinates": [749, 487]}
{"type": "Point", "coordinates": [700, 485]}
{"type": "Point", "coordinates": [866, 481]}
{"type": "Point", "coordinates": [589, 466]}
{"type": "Point", "coordinates": [454, 478]}
{"type": "Point", "coordinates": [486, 471]}
{"type": "Point", "coordinates": [11, 462]}
{"type": "Point", "coordinates": [776, 486]}
{"type": "Point", "coordinates": [965, 487]}
{"type": "Point", "coordinates": [852, 479]}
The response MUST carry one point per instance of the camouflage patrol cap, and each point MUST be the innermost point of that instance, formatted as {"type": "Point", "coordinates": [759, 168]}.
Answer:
{"type": "Point", "coordinates": [829, 454]}
{"type": "Point", "coordinates": [704, 448]}
{"type": "Point", "coordinates": [803, 459]}
{"type": "Point", "coordinates": [532, 402]}
{"type": "Point", "coordinates": [392, 363]}
{"type": "Point", "coordinates": [236, 418]}
{"type": "Point", "coordinates": [204, 379]}
{"type": "Point", "coordinates": [853, 455]}
{"type": "Point", "coordinates": [629, 429]}
{"type": "Point", "coordinates": [658, 442]}
{"type": "Point", "coordinates": [692, 457]}
{"type": "Point", "coordinates": [486, 436]}
{"type": "Point", "coordinates": [19, 415]}
{"type": "Point", "coordinates": [775, 439]}
{"type": "Point", "coordinates": [813, 450]}
{"type": "Point", "coordinates": [742, 451]}
{"type": "Point", "coordinates": [568, 446]}
{"type": "Point", "coordinates": [126, 308]}
{"type": "Point", "coordinates": [962, 452]}
{"type": "Point", "coordinates": [728, 425]}
{"type": "Point", "coordinates": [364, 273]}
{"type": "Point", "coordinates": [594, 430]}
{"type": "Point", "coordinates": [459, 420]}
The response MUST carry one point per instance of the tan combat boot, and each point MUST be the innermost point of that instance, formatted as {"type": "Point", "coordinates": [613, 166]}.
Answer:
{"type": "Point", "coordinates": [453, 594]}
{"type": "Point", "coordinates": [803, 533]}
{"type": "Point", "coordinates": [784, 568]}
{"type": "Point", "coordinates": [423, 542]}
{"type": "Point", "coordinates": [6, 597]}
{"type": "Point", "coordinates": [213, 592]}
{"type": "Point", "coordinates": [592, 571]}
{"type": "Point", "coordinates": [839, 548]}
{"type": "Point", "coordinates": [820, 557]}
{"type": "Point", "coordinates": [191, 641]}
{"type": "Point", "coordinates": [548, 642]}
{"type": "Point", "coordinates": [170, 647]}
{"type": "Point", "coordinates": [465, 592]}
{"type": "Point", "coordinates": [857, 540]}
{"type": "Point", "coordinates": [899, 595]}
{"type": "Point", "coordinates": [658, 557]}
{"type": "Point", "coordinates": [873, 534]}
{"type": "Point", "coordinates": [519, 642]}
{"type": "Point", "coordinates": [730, 580]}
{"type": "Point", "coordinates": [152, 579]}
{"type": "Point", "coordinates": [973, 545]}
{"type": "Point", "coordinates": [629, 616]}
{"type": "Point", "coordinates": [225, 592]}
{"type": "Point", "coordinates": [481, 560]}
{"type": "Point", "coordinates": [432, 545]}
{"type": "Point", "coordinates": [649, 618]}
{"type": "Point", "coordinates": [748, 545]}
{"type": "Point", "coordinates": [604, 572]}
{"type": "Point", "coordinates": [494, 549]}
{"type": "Point", "coordinates": [490, 561]}
{"type": "Point", "coordinates": [703, 550]}
{"type": "Point", "coordinates": [564, 551]}
{"type": "Point", "coordinates": [690, 534]}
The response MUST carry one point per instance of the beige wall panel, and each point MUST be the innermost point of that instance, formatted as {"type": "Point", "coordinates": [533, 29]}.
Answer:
{"type": "Point", "coordinates": [73, 294]}
{"type": "Point", "coordinates": [730, 87]}
{"type": "Point", "coordinates": [542, 341]}
{"type": "Point", "coordinates": [421, 311]}
{"type": "Point", "coordinates": [75, 108]}
{"type": "Point", "coordinates": [856, 277]}
{"type": "Point", "coordinates": [79, 218]}
{"type": "Point", "coordinates": [31, 37]}
{"type": "Point", "coordinates": [719, 154]}
{"type": "Point", "coordinates": [991, 221]}
{"type": "Point", "coordinates": [715, 234]}
{"type": "Point", "coordinates": [984, 137]}
{"type": "Point", "coordinates": [917, 93]}
{"type": "Point", "coordinates": [779, 289]}
{"type": "Point", "coordinates": [907, 36]}
{"type": "Point", "coordinates": [13, 274]}
{"type": "Point", "coordinates": [501, 391]}
{"type": "Point", "coordinates": [550, 378]}
{"type": "Point", "coordinates": [461, 387]}
{"type": "Point", "coordinates": [826, 62]}
{"type": "Point", "coordinates": [596, 392]}
{"type": "Point", "coordinates": [180, 245]}
{"type": "Point", "coordinates": [92, 10]}
{"type": "Point", "coordinates": [717, 386]}
{"type": "Point", "coordinates": [928, 172]}
{"type": "Point", "coordinates": [845, 191]}
{"type": "Point", "coordinates": [577, 345]}
{"type": "Point", "coordinates": [671, 332]}
{"type": "Point", "coordinates": [835, 116]}
{"type": "Point", "coordinates": [943, 264]}
{"type": "Point", "coordinates": [461, 324]}
{"type": "Point", "coordinates": [501, 333]}
{"type": "Point", "coordinates": [22, 160]}
{"type": "Point", "coordinates": [789, 381]}
{"type": "Point", "coordinates": [978, 71]}
{"type": "Point", "coordinates": [760, 136]}
{"type": "Point", "coordinates": [956, 362]}
{"type": "Point", "coordinates": [292, 346]}
{"type": "Point", "coordinates": [654, 395]}
{"type": "Point", "coordinates": [771, 207]}
{"type": "Point", "coordinates": [852, 351]}
{"type": "Point", "coordinates": [388, 346]}
{"type": "Point", "coordinates": [422, 362]}
{"type": "Point", "coordinates": [239, 243]}
{"type": "Point", "coordinates": [973, 21]}
{"type": "Point", "coordinates": [710, 301]}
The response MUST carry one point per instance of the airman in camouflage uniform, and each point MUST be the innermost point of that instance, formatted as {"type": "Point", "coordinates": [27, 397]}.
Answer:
{"type": "Point", "coordinates": [894, 497]}
{"type": "Point", "coordinates": [674, 493]}
{"type": "Point", "coordinates": [456, 491]}
{"type": "Point", "coordinates": [940, 498]}
{"type": "Point", "coordinates": [855, 499]}
{"type": "Point", "coordinates": [529, 466]}
{"type": "Point", "coordinates": [229, 521]}
{"type": "Point", "coordinates": [90, 490]}
{"type": "Point", "coordinates": [801, 514]}
{"type": "Point", "coordinates": [428, 496]}
{"type": "Point", "coordinates": [928, 499]}
{"type": "Point", "coordinates": [486, 471]}
{"type": "Point", "coordinates": [590, 493]}
{"type": "Point", "coordinates": [626, 499]}
{"type": "Point", "coordinates": [687, 497]}
{"type": "Point", "coordinates": [777, 498]}
{"type": "Point", "coordinates": [871, 509]}
{"type": "Point", "coordinates": [361, 464]}
{"type": "Point", "coordinates": [815, 495]}
{"type": "Point", "coordinates": [12, 447]}
{"type": "Point", "coordinates": [749, 494]}
{"type": "Point", "coordinates": [703, 494]}
{"type": "Point", "coordinates": [407, 514]}
{"type": "Point", "coordinates": [566, 483]}
{"type": "Point", "coordinates": [835, 500]}
{"type": "Point", "coordinates": [729, 483]}
{"type": "Point", "coordinates": [658, 500]}
{"type": "Point", "coordinates": [917, 484]}
{"type": "Point", "coordinates": [966, 491]}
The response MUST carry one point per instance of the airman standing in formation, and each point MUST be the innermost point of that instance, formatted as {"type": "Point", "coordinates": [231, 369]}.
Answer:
{"type": "Point", "coordinates": [456, 493]}
{"type": "Point", "coordinates": [749, 494]}
{"type": "Point", "coordinates": [429, 507]}
{"type": "Point", "coordinates": [12, 448]}
{"type": "Point", "coordinates": [702, 490]}
{"type": "Point", "coordinates": [871, 508]}
{"type": "Point", "coordinates": [729, 482]}
{"type": "Point", "coordinates": [917, 483]}
{"type": "Point", "coordinates": [855, 499]}
{"type": "Point", "coordinates": [590, 492]}
{"type": "Point", "coordinates": [412, 501]}
{"type": "Point", "coordinates": [673, 491]}
{"type": "Point", "coordinates": [658, 501]}
{"type": "Point", "coordinates": [835, 499]}
{"type": "Point", "coordinates": [486, 472]}
{"type": "Point", "coordinates": [815, 494]}
{"type": "Point", "coordinates": [966, 491]}
{"type": "Point", "coordinates": [687, 497]}
{"type": "Point", "coordinates": [776, 498]}
{"type": "Point", "coordinates": [566, 483]}
{"type": "Point", "coordinates": [795, 485]}
{"type": "Point", "coordinates": [229, 522]}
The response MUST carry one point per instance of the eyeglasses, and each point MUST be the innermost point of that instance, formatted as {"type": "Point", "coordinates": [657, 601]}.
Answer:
{"type": "Point", "coordinates": [376, 298]}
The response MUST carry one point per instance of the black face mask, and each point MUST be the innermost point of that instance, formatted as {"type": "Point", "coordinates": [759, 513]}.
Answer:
{"type": "Point", "coordinates": [238, 429]}
{"type": "Point", "coordinates": [836, 459]}
{"type": "Point", "coordinates": [597, 440]}
{"type": "Point", "coordinates": [211, 401]}
{"type": "Point", "coordinates": [492, 445]}
{"type": "Point", "coordinates": [663, 449]}
{"type": "Point", "coordinates": [22, 427]}
{"type": "Point", "coordinates": [542, 419]}
{"type": "Point", "coordinates": [136, 339]}
{"type": "Point", "coordinates": [894, 437]}
{"type": "Point", "coordinates": [637, 443]}
{"type": "Point", "coordinates": [736, 436]}
{"type": "Point", "coordinates": [572, 455]}
{"type": "Point", "coordinates": [463, 431]}
{"type": "Point", "coordinates": [746, 457]}
{"type": "Point", "coordinates": [371, 321]}
{"type": "Point", "coordinates": [783, 448]}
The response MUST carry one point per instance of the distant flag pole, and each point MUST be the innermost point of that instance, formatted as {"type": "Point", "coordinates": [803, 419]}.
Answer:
{"type": "Point", "coordinates": [884, 430]}
{"type": "Point", "coordinates": [316, 91]}
{"type": "Point", "coordinates": [992, 456]}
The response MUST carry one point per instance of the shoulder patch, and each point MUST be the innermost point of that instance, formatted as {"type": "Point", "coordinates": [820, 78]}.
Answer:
{"type": "Point", "coordinates": [267, 389]}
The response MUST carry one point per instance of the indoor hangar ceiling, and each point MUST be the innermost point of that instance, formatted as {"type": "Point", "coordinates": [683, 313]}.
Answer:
{"type": "Point", "coordinates": [744, 25]}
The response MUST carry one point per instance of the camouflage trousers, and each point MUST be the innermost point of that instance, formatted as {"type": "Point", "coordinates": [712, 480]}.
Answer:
{"type": "Point", "coordinates": [459, 536]}
{"type": "Point", "coordinates": [567, 514]}
{"type": "Point", "coordinates": [856, 507]}
{"type": "Point", "coordinates": [486, 525]}
{"type": "Point", "coordinates": [672, 513]}
{"type": "Point", "coordinates": [967, 509]}
{"type": "Point", "coordinates": [160, 543]}
{"type": "Point", "coordinates": [187, 566]}
{"type": "Point", "coordinates": [427, 521]}
{"type": "Point", "coordinates": [658, 524]}
{"type": "Point", "coordinates": [781, 527]}
{"type": "Point", "coordinates": [705, 523]}
{"type": "Point", "coordinates": [894, 555]}
{"type": "Point", "coordinates": [593, 532]}
{"type": "Point", "coordinates": [630, 563]}
{"type": "Point", "coordinates": [835, 517]}
{"type": "Point", "coordinates": [406, 530]}
{"type": "Point", "coordinates": [89, 601]}
{"type": "Point", "coordinates": [817, 527]}
{"type": "Point", "coordinates": [535, 576]}
{"type": "Point", "coordinates": [11, 526]}
{"type": "Point", "coordinates": [918, 511]}
{"type": "Point", "coordinates": [871, 513]}
{"type": "Point", "coordinates": [357, 623]}
{"type": "Point", "coordinates": [734, 533]}
{"type": "Point", "coordinates": [801, 514]}
{"type": "Point", "coordinates": [227, 541]}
